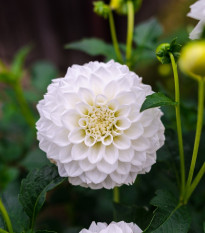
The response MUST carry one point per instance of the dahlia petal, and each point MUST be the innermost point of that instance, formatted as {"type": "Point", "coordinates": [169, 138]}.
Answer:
{"type": "Point", "coordinates": [89, 141]}
{"type": "Point", "coordinates": [125, 227]}
{"type": "Point", "coordinates": [96, 84]}
{"type": "Point", "coordinates": [121, 142]}
{"type": "Point", "coordinates": [118, 178]}
{"type": "Point", "coordinates": [141, 144]}
{"type": "Point", "coordinates": [70, 119]}
{"type": "Point", "coordinates": [126, 97]}
{"type": "Point", "coordinates": [123, 168]}
{"type": "Point", "coordinates": [86, 165]}
{"type": "Point", "coordinates": [71, 99]}
{"type": "Point", "coordinates": [100, 100]}
{"type": "Point", "coordinates": [103, 73]}
{"type": "Point", "coordinates": [111, 154]}
{"type": "Point", "coordinates": [105, 167]}
{"type": "Point", "coordinates": [65, 155]}
{"type": "Point", "coordinates": [139, 158]}
{"type": "Point", "coordinates": [107, 140]}
{"type": "Point", "coordinates": [152, 129]}
{"type": "Point", "coordinates": [61, 138]}
{"type": "Point", "coordinates": [77, 135]}
{"type": "Point", "coordinates": [86, 95]}
{"type": "Point", "coordinates": [122, 123]}
{"type": "Point", "coordinates": [96, 152]}
{"type": "Point", "coordinates": [96, 176]}
{"type": "Point", "coordinates": [135, 131]}
{"type": "Point", "coordinates": [110, 89]}
{"type": "Point", "coordinates": [122, 111]}
{"type": "Point", "coordinates": [113, 105]}
{"type": "Point", "coordinates": [97, 227]}
{"type": "Point", "coordinates": [112, 229]}
{"type": "Point", "coordinates": [73, 169]}
{"type": "Point", "coordinates": [79, 151]}
{"type": "Point", "coordinates": [126, 155]}
{"type": "Point", "coordinates": [82, 108]}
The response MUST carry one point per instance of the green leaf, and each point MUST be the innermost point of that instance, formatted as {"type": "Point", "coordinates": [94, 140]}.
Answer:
{"type": "Point", "coordinates": [42, 72]}
{"type": "Point", "coordinates": [93, 47]}
{"type": "Point", "coordinates": [147, 33]}
{"type": "Point", "coordinates": [7, 175]}
{"type": "Point", "coordinates": [18, 217]}
{"type": "Point", "coordinates": [18, 61]}
{"type": "Point", "coordinates": [156, 100]}
{"type": "Point", "coordinates": [6, 77]}
{"type": "Point", "coordinates": [35, 159]}
{"type": "Point", "coordinates": [34, 188]}
{"type": "Point", "coordinates": [167, 217]}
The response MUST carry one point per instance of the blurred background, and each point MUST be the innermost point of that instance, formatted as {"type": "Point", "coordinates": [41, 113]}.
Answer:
{"type": "Point", "coordinates": [48, 25]}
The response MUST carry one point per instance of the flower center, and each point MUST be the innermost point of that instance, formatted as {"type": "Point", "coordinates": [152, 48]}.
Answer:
{"type": "Point", "coordinates": [99, 124]}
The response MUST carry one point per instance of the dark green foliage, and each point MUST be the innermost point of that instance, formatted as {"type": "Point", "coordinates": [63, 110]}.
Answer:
{"type": "Point", "coordinates": [34, 188]}
{"type": "Point", "coordinates": [139, 215]}
{"type": "Point", "coordinates": [156, 100]}
{"type": "Point", "coordinates": [168, 217]}
{"type": "Point", "coordinates": [16, 213]}
{"type": "Point", "coordinates": [93, 47]}
{"type": "Point", "coordinates": [147, 33]}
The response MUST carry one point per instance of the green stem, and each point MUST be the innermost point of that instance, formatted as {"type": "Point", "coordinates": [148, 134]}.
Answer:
{"type": "Point", "coordinates": [195, 182]}
{"type": "Point", "coordinates": [198, 132]}
{"type": "Point", "coordinates": [178, 121]}
{"type": "Point", "coordinates": [23, 105]}
{"type": "Point", "coordinates": [116, 195]}
{"type": "Point", "coordinates": [130, 28]}
{"type": "Point", "coordinates": [3, 231]}
{"type": "Point", "coordinates": [114, 37]}
{"type": "Point", "coordinates": [6, 217]}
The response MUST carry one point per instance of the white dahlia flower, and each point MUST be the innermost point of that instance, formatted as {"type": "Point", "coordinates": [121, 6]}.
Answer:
{"type": "Point", "coordinates": [113, 227]}
{"type": "Point", "coordinates": [197, 12]}
{"type": "Point", "coordinates": [90, 125]}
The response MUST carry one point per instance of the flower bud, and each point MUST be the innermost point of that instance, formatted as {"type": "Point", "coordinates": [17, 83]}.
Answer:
{"type": "Point", "coordinates": [120, 6]}
{"type": "Point", "coordinates": [192, 59]}
{"type": "Point", "coordinates": [101, 9]}
{"type": "Point", "coordinates": [163, 51]}
{"type": "Point", "coordinates": [115, 4]}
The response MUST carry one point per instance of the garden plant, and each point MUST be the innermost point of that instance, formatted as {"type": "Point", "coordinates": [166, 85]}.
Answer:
{"type": "Point", "coordinates": [105, 152]}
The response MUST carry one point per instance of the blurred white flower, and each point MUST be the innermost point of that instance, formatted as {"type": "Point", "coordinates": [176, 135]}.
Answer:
{"type": "Point", "coordinates": [113, 227]}
{"type": "Point", "coordinates": [91, 126]}
{"type": "Point", "coordinates": [197, 12]}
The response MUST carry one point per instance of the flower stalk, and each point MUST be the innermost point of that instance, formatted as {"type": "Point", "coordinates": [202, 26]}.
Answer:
{"type": "Point", "coordinates": [189, 187]}
{"type": "Point", "coordinates": [114, 37]}
{"type": "Point", "coordinates": [6, 218]}
{"type": "Point", "coordinates": [130, 28]}
{"type": "Point", "coordinates": [195, 182]}
{"type": "Point", "coordinates": [116, 195]}
{"type": "Point", "coordinates": [23, 104]}
{"type": "Point", "coordinates": [178, 121]}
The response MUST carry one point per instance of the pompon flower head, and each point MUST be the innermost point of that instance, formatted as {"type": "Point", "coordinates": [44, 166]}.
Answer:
{"type": "Point", "coordinates": [197, 12]}
{"type": "Point", "coordinates": [90, 125]}
{"type": "Point", "coordinates": [113, 227]}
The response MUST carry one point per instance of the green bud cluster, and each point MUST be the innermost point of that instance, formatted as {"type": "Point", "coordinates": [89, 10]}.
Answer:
{"type": "Point", "coordinates": [163, 51]}
{"type": "Point", "coordinates": [101, 9]}
{"type": "Point", "coordinates": [121, 5]}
